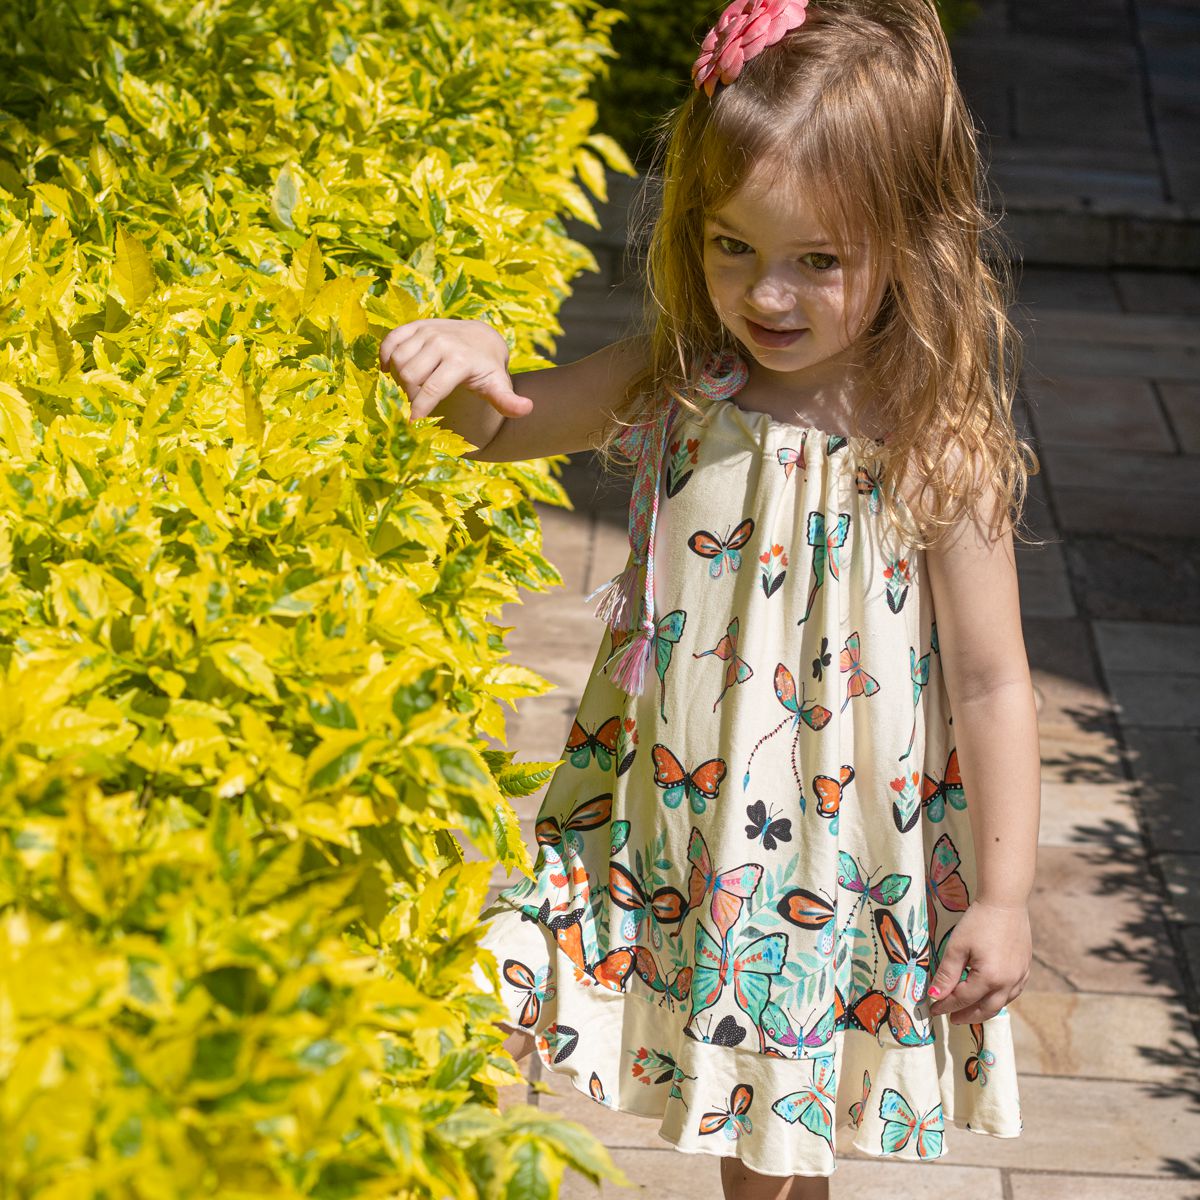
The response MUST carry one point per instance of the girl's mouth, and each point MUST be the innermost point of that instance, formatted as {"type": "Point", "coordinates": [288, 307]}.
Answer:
{"type": "Point", "coordinates": [773, 338]}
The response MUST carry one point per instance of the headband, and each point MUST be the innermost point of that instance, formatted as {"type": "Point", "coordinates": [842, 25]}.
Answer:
{"type": "Point", "coordinates": [744, 28]}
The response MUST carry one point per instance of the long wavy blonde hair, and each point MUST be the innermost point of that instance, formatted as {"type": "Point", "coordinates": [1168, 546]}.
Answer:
{"type": "Point", "coordinates": [862, 101]}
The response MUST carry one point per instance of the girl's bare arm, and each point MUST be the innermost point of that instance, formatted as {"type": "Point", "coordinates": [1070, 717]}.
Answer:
{"type": "Point", "coordinates": [984, 662]}
{"type": "Point", "coordinates": [458, 370]}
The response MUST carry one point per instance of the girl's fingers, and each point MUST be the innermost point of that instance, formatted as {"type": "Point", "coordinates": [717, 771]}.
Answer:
{"type": "Point", "coordinates": [984, 1009]}
{"type": "Point", "coordinates": [437, 382]}
{"type": "Point", "coordinates": [392, 340]}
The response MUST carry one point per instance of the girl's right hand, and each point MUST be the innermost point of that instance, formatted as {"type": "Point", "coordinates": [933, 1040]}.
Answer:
{"type": "Point", "coordinates": [430, 359]}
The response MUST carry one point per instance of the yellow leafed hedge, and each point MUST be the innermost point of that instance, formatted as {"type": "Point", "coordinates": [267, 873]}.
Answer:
{"type": "Point", "coordinates": [249, 669]}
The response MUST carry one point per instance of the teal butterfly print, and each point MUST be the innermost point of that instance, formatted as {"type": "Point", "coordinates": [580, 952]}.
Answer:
{"type": "Point", "coordinates": [699, 785]}
{"type": "Point", "coordinates": [813, 1105]}
{"type": "Point", "coordinates": [827, 547]}
{"type": "Point", "coordinates": [902, 1124]}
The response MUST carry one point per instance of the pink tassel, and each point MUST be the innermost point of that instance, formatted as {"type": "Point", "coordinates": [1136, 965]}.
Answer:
{"type": "Point", "coordinates": [617, 598]}
{"type": "Point", "coordinates": [629, 673]}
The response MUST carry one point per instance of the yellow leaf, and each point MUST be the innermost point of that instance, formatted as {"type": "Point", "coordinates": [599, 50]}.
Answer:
{"type": "Point", "coordinates": [308, 272]}
{"type": "Point", "coordinates": [16, 421]}
{"type": "Point", "coordinates": [244, 666]}
{"type": "Point", "coordinates": [133, 275]}
{"type": "Point", "coordinates": [14, 254]}
{"type": "Point", "coordinates": [591, 171]}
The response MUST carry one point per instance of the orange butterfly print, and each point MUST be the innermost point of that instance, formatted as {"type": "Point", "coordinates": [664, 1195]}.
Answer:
{"type": "Point", "coordinates": [977, 1064]}
{"type": "Point", "coordinates": [791, 458]}
{"type": "Point", "coordinates": [734, 1120]}
{"type": "Point", "coordinates": [859, 1107]}
{"type": "Point", "coordinates": [829, 794]}
{"type": "Point", "coordinates": [737, 669]}
{"type": "Point", "coordinates": [536, 985]}
{"type": "Point", "coordinates": [859, 683]}
{"type": "Point", "coordinates": [810, 911]}
{"type": "Point", "coordinates": [730, 889]}
{"type": "Point", "coordinates": [699, 785]}
{"type": "Point", "coordinates": [666, 906]}
{"type": "Point", "coordinates": [722, 551]}
{"type": "Point", "coordinates": [602, 744]}
{"type": "Point", "coordinates": [908, 969]}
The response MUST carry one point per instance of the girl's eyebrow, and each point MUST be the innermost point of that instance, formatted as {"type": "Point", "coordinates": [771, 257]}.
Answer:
{"type": "Point", "coordinates": [726, 224]}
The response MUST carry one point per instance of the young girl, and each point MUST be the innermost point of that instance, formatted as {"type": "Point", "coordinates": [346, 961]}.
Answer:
{"type": "Point", "coordinates": [783, 872]}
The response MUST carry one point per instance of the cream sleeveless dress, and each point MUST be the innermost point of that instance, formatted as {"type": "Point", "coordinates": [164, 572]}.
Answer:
{"type": "Point", "coordinates": [746, 874]}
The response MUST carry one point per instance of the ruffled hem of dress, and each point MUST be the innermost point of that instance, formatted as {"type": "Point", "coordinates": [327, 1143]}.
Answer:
{"type": "Point", "coordinates": [625, 1024]}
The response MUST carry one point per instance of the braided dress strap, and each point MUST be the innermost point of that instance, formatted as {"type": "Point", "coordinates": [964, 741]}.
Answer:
{"type": "Point", "coordinates": [720, 377]}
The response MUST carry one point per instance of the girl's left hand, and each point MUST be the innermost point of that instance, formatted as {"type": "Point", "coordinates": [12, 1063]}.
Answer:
{"type": "Point", "coordinates": [996, 944]}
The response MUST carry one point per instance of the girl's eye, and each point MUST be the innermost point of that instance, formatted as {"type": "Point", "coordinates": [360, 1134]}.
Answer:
{"type": "Point", "coordinates": [822, 263]}
{"type": "Point", "coordinates": [719, 241]}
{"type": "Point", "coordinates": [829, 261]}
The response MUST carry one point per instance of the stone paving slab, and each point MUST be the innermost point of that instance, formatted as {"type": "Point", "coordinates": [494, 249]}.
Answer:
{"type": "Point", "coordinates": [1117, 414]}
{"type": "Point", "coordinates": [1055, 1185]}
{"type": "Point", "coordinates": [1166, 763]}
{"type": "Point", "coordinates": [1071, 1034]}
{"type": "Point", "coordinates": [1099, 927]}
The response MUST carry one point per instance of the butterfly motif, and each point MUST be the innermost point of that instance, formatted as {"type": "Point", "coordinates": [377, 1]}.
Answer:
{"type": "Point", "coordinates": [812, 714]}
{"type": "Point", "coordinates": [583, 745]}
{"type": "Point", "coordinates": [834, 443]}
{"type": "Point", "coordinates": [829, 794]}
{"type": "Point", "coordinates": [874, 1009]}
{"type": "Point", "coordinates": [900, 1123]}
{"type": "Point", "coordinates": [907, 969]}
{"type": "Point", "coordinates": [567, 930]}
{"type": "Point", "coordinates": [770, 830]}
{"type": "Point", "coordinates": [737, 669]}
{"type": "Point", "coordinates": [700, 785]}
{"type": "Point", "coordinates": [790, 459]}
{"type": "Point", "coordinates": [535, 985]}
{"type": "Point", "coordinates": [945, 884]}
{"type": "Point", "coordinates": [919, 672]}
{"type": "Point", "coordinates": [722, 551]}
{"type": "Point", "coordinates": [859, 1107]}
{"type": "Point", "coordinates": [826, 546]}
{"type": "Point", "coordinates": [936, 793]}
{"type": "Point", "coordinates": [749, 968]}
{"type": "Point", "coordinates": [867, 485]}
{"type": "Point", "coordinates": [734, 1120]}
{"type": "Point", "coordinates": [730, 889]}
{"type": "Point", "coordinates": [558, 1042]}
{"type": "Point", "coordinates": [596, 1089]}
{"type": "Point", "coordinates": [665, 906]}
{"type": "Point", "coordinates": [615, 969]}
{"type": "Point", "coordinates": [560, 842]}
{"type": "Point", "coordinates": [667, 632]}
{"type": "Point", "coordinates": [821, 1031]}
{"type": "Point", "coordinates": [727, 1033]}
{"type": "Point", "coordinates": [888, 890]}
{"type": "Point", "coordinates": [619, 836]}
{"type": "Point", "coordinates": [977, 1064]}
{"type": "Point", "coordinates": [676, 988]}
{"type": "Point", "coordinates": [814, 1104]}
{"type": "Point", "coordinates": [810, 911]}
{"type": "Point", "coordinates": [859, 683]}
{"type": "Point", "coordinates": [821, 661]}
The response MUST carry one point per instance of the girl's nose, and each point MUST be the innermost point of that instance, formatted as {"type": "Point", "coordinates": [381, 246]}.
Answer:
{"type": "Point", "coordinates": [769, 292]}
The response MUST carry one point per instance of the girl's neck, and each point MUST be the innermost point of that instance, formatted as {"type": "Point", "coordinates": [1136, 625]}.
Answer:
{"type": "Point", "coordinates": [825, 397]}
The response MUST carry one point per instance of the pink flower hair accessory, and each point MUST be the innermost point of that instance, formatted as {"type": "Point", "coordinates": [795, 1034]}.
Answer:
{"type": "Point", "coordinates": [743, 29]}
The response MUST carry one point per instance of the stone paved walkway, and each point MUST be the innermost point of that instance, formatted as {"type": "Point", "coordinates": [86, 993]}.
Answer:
{"type": "Point", "coordinates": [1107, 1028]}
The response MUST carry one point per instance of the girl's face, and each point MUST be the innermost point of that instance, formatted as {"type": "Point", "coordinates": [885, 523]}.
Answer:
{"type": "Point", "coordinates": [769, 267]}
